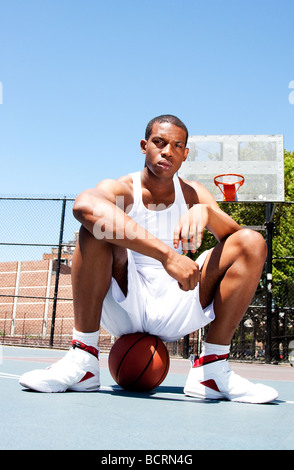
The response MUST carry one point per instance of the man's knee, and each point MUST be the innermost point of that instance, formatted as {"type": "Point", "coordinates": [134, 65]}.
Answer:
{"type": "Point", "coordinates": [90, 243]}
{"type": "Point", "coordinates": [252, 244]}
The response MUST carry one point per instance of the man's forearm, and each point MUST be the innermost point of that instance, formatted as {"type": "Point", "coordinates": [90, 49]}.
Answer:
{"type": "Point", "coordinates": [108, 222]}
{"type": "Point", "coordinates": [220, 224]}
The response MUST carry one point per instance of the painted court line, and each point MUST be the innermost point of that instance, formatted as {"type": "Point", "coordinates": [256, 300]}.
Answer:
{"type": "Point", "coordinates": [9, 376]}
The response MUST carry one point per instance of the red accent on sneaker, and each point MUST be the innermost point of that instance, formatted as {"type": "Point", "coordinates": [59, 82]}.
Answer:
{"type": "Point", "coordinates": [84, 347]}
{"type": "Point", "coordinates": [210, 384]}
{"type": "Point", "coordinates": [208, 359]}
{"type": "Point", "coordinates": [87, 376]}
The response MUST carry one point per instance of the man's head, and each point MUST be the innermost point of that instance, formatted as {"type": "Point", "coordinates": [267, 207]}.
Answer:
{"type": "Point", "coordinates": [165, 118]}
{"type": "Point", "coordinates": [164, 145]}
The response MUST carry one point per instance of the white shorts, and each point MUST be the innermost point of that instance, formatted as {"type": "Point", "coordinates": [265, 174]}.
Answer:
{"type": "Point", "coordinates": [154, 304]}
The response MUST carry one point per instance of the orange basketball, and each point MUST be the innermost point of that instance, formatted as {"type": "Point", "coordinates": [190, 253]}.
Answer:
{"type": "Point", "coordinates": [138, 362]}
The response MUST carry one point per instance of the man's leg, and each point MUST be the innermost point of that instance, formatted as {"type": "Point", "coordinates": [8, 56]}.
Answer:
{"type": "Point", "coordinates": [229, 278]}
{"type": "Point", "coordinates": [94, 263]}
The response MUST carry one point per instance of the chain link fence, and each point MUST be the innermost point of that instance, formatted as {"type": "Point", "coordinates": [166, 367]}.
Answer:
{"type": "Point", "coordinates": [37, 241]}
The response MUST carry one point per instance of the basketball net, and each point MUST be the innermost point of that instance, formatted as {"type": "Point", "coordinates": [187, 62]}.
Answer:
{"type": "Point", "coordinates": [229, 183]}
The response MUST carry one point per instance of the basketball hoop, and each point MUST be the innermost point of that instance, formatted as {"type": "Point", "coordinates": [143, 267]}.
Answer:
{"type": "Point", "coordinates": [229, 183]}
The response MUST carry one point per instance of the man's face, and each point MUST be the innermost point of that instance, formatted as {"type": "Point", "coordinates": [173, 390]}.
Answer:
{"type": "Point", "coordinates": [165, 149]}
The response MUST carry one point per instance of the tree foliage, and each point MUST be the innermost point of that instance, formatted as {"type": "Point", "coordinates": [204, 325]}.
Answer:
{"type": "Point", "coordinates": [254, 215]}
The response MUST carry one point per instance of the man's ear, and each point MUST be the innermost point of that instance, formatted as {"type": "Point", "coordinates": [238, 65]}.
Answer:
{"type": "Point", "coordinates": [143, 145]}
{"type": "Point", "coordinates": [185, 154]}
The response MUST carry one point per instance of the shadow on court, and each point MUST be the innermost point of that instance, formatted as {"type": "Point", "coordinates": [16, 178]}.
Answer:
{"type": "Point", "coordinates": [116, 419]}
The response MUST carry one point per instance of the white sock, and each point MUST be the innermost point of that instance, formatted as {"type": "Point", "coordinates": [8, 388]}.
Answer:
{"type": "Point", "coordinates": [218, 349]}
{"type": "Point", "coordinates": [90, 339]}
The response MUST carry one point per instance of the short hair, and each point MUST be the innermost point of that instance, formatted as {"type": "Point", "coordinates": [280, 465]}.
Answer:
{"type": "Point", "coordinates": [166, 118]}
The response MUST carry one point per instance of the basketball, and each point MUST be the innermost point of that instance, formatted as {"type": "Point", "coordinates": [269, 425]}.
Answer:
{"type": "Point", "coordinates": [138, 362]}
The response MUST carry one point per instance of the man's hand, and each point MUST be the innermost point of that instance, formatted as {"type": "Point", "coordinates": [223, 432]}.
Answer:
{"type": "Point", "coordinates": [189, 230]}
{"type": "Point", "coordinates": [183, 269]}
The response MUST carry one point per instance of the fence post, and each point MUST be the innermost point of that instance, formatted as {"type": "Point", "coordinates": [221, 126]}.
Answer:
{"type": "Point", "coordinates": [269, 280]}
{"type": "Point", "coordinates": [57, 272]}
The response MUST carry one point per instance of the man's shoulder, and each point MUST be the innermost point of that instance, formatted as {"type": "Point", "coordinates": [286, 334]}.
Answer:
{"type": "Point", "coordinates": [113, 189]}
{"type": "Point", "coordinates": [121, 184]}
{"type": "Point", "coordinates": [194, 192]}
{"type": "Point", "coordinates": [190, 190]}
{"type": "Point", "coordinates": [126, 180]}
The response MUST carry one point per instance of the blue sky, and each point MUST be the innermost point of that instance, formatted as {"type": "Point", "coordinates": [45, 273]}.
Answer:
{"type": "Point", "coordinates": [81, 78]}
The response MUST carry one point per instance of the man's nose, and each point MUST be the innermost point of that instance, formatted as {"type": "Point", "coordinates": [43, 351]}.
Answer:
{"type": "Point", "coordinates": [167, 151]}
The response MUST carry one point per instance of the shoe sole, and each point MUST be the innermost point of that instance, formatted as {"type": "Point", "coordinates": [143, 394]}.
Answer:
{"type": "Point", "coordinates": [204, 393]}
{"type": "Point", "coordinates": [89, 385]}
{"type": "Point", "coordinates": [213, 395]}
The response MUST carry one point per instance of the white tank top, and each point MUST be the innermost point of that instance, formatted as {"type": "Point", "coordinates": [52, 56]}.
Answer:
{"type": "Point", "coordinates": [158, 220]}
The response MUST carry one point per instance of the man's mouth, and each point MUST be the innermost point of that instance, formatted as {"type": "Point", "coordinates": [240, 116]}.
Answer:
{"type": "Point", "coordinates": [164, 164]}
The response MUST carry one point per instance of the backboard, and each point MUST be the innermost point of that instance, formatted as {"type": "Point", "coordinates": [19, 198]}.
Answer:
{"type": "Point", "coordinates": [259, 158]}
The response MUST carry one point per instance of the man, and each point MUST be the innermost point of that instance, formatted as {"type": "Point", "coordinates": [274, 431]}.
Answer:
{"type": "Point", "coordinates": [129, 273]}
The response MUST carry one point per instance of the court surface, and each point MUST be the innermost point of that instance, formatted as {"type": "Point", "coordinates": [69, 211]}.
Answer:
{"type": "Point", "coordinates": [113, 419]}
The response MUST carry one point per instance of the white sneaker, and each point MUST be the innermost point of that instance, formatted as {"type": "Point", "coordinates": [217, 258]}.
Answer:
{"type": "Point", "coordinates": [211, 377]}
{"type": "Point", "coordinates": [79, 371]}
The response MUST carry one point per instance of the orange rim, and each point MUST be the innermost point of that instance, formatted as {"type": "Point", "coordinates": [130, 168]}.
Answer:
{"type": "Point", "coordinates": [229, 189]}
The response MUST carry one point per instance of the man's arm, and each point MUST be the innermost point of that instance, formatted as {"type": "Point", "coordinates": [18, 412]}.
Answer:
{"type": "Point", "coordinates": [204, 214]}
{"type": "Point", "coordinates": [97, 210]}
{"type": "Point", "coordinates": [102, 212]}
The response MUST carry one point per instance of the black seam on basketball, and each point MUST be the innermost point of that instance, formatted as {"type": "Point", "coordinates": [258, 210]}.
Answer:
{"type": "Point", "coordinates": [122, 359]}
{"type": "Point", "coordinates": [147, 365]}
{"type": "Point", "coordinates": [165, 370]}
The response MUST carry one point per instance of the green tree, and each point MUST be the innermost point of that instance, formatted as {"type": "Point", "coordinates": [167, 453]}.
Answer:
{"type": "Point", "coordinates": [283, 236]}
{"type": "Point", "coordinates": [254, 214]}
{"type": "Point", "coordinates": [283, 243]}
{"type": "Point", "coordinates": [289, 175]}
